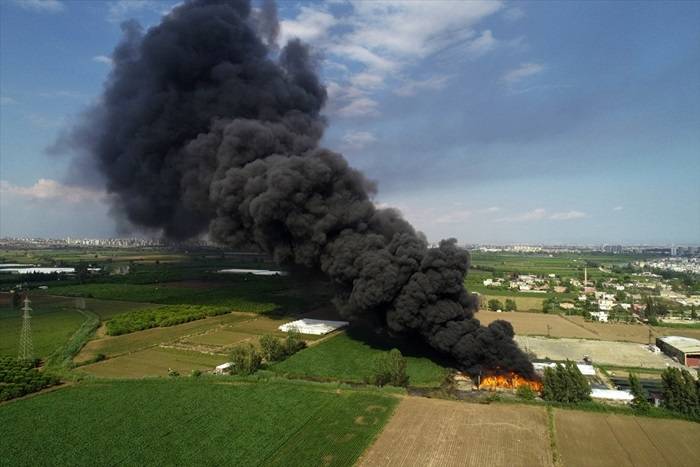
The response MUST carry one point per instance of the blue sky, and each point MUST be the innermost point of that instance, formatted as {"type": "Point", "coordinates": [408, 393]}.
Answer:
{"type": "Point", "coordinates": [493, 122]}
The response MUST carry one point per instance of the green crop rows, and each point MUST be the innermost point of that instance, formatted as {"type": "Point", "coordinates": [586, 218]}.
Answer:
{"type": "Point", "coordinates": [193, 422]}
{"type": "Point", "coordinates": [346, 359]}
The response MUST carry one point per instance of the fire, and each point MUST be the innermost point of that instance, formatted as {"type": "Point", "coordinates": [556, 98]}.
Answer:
{"type": "Point", "coordinates": [508, 381]}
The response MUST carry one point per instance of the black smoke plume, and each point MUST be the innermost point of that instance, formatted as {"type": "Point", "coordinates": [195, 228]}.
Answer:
{"type": "Point", "coordinates": [199, 129]}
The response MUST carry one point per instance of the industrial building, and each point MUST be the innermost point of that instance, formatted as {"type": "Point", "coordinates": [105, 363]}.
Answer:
{"type": "Point", "coordinates": [685, 349]}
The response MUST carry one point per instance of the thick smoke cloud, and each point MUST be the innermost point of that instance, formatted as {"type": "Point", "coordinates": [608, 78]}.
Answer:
{"type": "Point", "coordinates": [199, 129]}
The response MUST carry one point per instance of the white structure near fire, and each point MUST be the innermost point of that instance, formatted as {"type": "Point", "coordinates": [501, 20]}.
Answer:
{"type": "Point", "coordinates": [316, 327]}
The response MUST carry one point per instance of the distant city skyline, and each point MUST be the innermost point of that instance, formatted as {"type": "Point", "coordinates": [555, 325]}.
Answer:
{"type": "Point", "coordinates": [492, 122]}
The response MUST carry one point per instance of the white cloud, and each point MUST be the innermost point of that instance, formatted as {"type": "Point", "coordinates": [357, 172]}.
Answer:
{"type": "Point", "coordinates": [618, 208]}
{"type": "Point", "coordinates": [50, 190]}
{"type": "Point", "coordinates": [513, 13]}
{"type": "Point", "coordinates": [525, 70]}
{"type": "Point", "coordinates": [7, 100]}
{"type": "Point", "coordinates": [376, 41]}
{"type": "Point", "coordinates": [367, 80]}
{"type": "Point", "coordinates": [360, 107]}
{"type": "Point", "coordinates": [121, 9]}
{"type": "Point", "coordinates": [542, 214]}
{"type": "Point", "coordinates": [415, 29]}
{"type": "Point", "coordinates": [411, 87]}
{"type": "Point", "coordinates": [482, 44]}
{"type": "Point", "coordinates": [47, 6]}
{"type": "Point", "coordinates": [358, 139]}
{"type": "Point", "coordinates": [103, 59]}
{"type": "Point", "coordinates": [310, 25]}
{"type": "Point", "coordinates": [567, 215]}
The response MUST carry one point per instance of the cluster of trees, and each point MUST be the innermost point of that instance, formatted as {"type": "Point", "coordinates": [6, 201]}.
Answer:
{"type": "Point", "coordinates": [389, 369]}
{"type": "Point", "coordinates": [550, 305]}
{"type": "Point", "coordinates": [247, 359]}
{"type": "Point", "coordinates": [18, 378]}
{"type": "Point", "coordinates": [275, 349]}
{"type": "Point", "coordinates": [161, 316]}
{"type": "Point", "coordinates": [681, 392]}
{"type": "Point", "coordinates": [495, 304]}
{"type": "Point", "coordinates": [565, 383]}
{"type": "Point", "coordinates": [640, 402]}
{"type": "Point", "coordinates": [653, 309]}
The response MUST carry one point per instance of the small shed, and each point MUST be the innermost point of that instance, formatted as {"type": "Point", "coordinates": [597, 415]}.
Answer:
{"type": "Point", "coordinates": [223, 368]}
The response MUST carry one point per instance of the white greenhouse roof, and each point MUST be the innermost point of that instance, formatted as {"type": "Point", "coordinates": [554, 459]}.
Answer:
{"type": "Point", "coordinates": [257, 272]}
{"type": "Point", "coordinates": [316, 327]}
{"type": "Point", "coordinates": [586, 370]}
{"type": "Point", "coordinates": [611, 394]}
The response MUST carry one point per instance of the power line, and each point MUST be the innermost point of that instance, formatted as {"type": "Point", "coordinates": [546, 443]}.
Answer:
{"type": "Point", "coordinates": [26, 346]}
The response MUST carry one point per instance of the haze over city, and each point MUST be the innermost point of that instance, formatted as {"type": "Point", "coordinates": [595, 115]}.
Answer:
{"type": "Point", "coordinates": [492, 122]}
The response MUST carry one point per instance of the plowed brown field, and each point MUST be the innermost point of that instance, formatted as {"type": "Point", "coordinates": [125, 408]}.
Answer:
{"type": "Point", "coordinates": [585, 439]}
{"type": "Point", "coordinates": [432, 432]}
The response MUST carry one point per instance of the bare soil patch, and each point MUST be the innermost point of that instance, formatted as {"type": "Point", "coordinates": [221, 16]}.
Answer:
{"type": "Point", "coordinates": [627, 354]}
{"type": "Point", "coordinates": [538, 324]}
{"type": "Point", "coordinates": [432, 432]}
{"type": "Point", "coordinates": [585, 439]}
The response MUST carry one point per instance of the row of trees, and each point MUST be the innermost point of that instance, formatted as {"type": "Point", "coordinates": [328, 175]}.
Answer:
{"type": "Point", "coordinates": [247, 359]}
{"type": "Point", "coordinates": [681, 392]}
{"type": "Point", "coordinates": [565, 383]}
{"type": "Point", "coordinates": [495, 304]}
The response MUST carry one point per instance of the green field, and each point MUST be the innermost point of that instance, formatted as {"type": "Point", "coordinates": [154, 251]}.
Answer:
{"type": "Point", "coordinates": [192, 422]}
{"type": "Point", "coordinates": [54, 321]}
{"type": "Point", "coordinates": [52, 326]}
{"type": "Point", "coordinates": [346, 359]}
{"type": "Point", "coordinates": [154, 362]}
{"type": "Point", "coordinates": [258, 295]}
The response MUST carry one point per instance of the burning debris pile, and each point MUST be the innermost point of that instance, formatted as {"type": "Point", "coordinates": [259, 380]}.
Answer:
{"type": "Point", "coordinates": [204, 126]}
{"type": "Point", "coordinates": [509, 380]}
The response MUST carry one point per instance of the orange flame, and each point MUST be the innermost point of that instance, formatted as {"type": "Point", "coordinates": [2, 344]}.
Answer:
{"type": "Point", "coordinates": [508, 381]}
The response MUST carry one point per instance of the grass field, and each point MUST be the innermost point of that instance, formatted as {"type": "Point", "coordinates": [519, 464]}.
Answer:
{"type": "Point", "coordinates": [258, 295]}
{"type": "Point", "coordinates": [156, 361]}
{"type": "Point", "coordinates": [52, 325]}
{"type": "Point", "coordinates": [620, 440]}
{"type": "Point", "coordinates": [200, 344]}
{"type": "Point", "coordinates": [445, 433]}
{"type": "Point", "coordinates": [346, 359]}
{"type": "Point", "coordinates": [192, 422]}
{"type": "Point", "coordinates": [112, 346]}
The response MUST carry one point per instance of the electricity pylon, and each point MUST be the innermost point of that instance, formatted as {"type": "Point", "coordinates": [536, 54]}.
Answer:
{"type": "Point", "coordinates": [26, 347]}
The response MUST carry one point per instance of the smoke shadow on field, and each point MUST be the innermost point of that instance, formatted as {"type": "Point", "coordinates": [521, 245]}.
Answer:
{"type": "Point", "coordinates": [409, 346]}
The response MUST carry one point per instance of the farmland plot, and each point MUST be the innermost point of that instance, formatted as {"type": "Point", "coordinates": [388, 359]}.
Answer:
{"type": "Point", "coordinates": [538, 324]}
{"type": "Point", "coordinates": [112, 346]}
{"type": "Point", "coordinates": [192, 422]}
{"type": "Point", "coordinates": [523, 303]}
{"type": "Point", "coordinates": [445, 433]}
{"type": "Point", "coordinates": [154, 362]}
{"type": "Point", "coordinates": [622, 440]}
